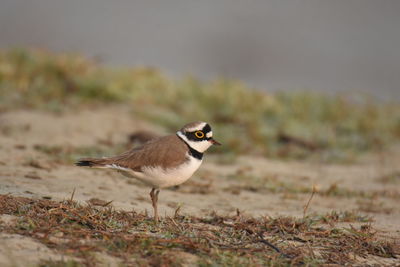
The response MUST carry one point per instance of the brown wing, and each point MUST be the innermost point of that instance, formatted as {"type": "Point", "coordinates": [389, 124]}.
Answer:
{"type": "Point", "coordinates": [168, 151]}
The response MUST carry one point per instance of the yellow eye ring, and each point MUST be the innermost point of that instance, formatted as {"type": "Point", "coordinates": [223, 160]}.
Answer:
{"type": "Point", "coordinates": [199, 134]}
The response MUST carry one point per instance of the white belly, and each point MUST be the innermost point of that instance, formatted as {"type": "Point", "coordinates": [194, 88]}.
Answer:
{"type": "Point", "coordinates": [158, 177]}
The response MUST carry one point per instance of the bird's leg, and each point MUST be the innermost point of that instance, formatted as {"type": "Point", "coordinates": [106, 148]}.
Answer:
{"type": "Point", "coordinates": [156, 210]}
{"type": "Point", "coordinates": [154, 199]}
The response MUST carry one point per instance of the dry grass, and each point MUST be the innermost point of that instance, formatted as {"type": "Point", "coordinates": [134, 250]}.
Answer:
{"type": "Point", "coordinates": [214, 240]}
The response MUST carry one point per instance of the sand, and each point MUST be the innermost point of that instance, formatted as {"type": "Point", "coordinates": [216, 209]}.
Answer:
{"type": "Point", "coordinates": [218, 186]}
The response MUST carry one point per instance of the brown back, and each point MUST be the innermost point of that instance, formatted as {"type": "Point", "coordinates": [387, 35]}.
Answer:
{"type": "Point", "coordinates": [167, 152]}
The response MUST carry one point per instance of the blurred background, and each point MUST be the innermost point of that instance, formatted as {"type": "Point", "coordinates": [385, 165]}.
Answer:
{"type": "Point", "coordinates": [271, 45]}
{"type": "Point", "coordinates": [276, 78]}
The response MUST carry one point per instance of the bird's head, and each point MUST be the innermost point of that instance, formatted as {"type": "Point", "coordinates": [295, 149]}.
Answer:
{"type": "Point", "coordinates": [198, 135]}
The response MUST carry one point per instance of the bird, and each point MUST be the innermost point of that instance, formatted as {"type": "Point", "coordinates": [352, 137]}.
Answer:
{"type": "Point", "coordinates": [162, 162]}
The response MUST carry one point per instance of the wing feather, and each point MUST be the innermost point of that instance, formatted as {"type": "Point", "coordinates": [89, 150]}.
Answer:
{"type": "Point", "coordinates": [167, 152]}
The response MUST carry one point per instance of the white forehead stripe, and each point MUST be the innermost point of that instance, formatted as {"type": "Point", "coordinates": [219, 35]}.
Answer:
{"type": "Point", "coordinates": [197, 127]}
{"type": "Point", "coordinates": [209, 134]}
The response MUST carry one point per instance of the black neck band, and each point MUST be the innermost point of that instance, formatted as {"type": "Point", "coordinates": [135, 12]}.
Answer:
{"type": "Point", "coordinates": [193, 152]}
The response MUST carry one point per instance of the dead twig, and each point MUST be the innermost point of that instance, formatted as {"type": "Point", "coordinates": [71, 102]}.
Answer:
{"type": "Point", "coordinates": [72, 195]}
{"type": "Point", "coordinates": [309, 201]}
{"type": "Point", "coordinates": [176, 214]}
{"type": "Point", "coordinates": [262, 240]}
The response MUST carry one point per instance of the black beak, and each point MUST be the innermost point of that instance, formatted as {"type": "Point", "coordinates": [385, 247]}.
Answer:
{"type": "Point", "coordinates": [214, 142]}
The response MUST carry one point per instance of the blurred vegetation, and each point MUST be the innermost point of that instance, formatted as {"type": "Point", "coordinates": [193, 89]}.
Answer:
{"type": "Point", "coordinates": [281, 124]}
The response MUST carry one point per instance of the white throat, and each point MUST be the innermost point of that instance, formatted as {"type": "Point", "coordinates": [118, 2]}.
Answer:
{"type": "Point", "coordinates": [199, 146]}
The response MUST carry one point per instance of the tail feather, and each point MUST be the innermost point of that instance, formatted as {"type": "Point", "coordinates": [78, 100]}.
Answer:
{"type": "Point", "coordinates": [90, 162]}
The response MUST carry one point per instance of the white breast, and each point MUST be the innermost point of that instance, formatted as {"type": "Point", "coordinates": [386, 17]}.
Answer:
{"type": "Point", "coordinates": [159, 177]}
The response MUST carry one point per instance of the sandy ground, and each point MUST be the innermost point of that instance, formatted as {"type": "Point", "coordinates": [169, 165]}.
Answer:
{"type": "Point", "coordinates": [217, 186]}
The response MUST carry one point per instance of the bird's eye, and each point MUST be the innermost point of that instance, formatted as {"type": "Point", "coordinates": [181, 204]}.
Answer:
{"type": "Point", "coordinates": [199, 134]}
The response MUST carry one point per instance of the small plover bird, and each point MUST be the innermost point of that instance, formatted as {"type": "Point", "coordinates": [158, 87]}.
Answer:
{"type": "Point", "coordinates": [163, 162]}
